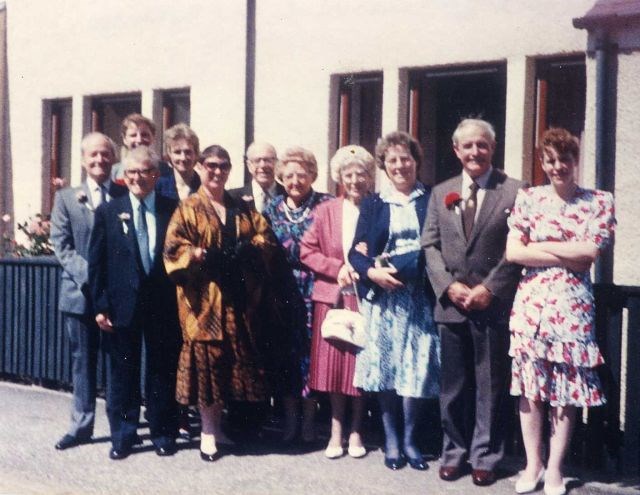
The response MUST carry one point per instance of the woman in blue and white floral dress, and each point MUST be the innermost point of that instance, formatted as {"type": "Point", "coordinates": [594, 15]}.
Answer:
{"type": "Point", "coordinates": [402, 354]}
{"type": "Point", "coordinates": [556, 231]}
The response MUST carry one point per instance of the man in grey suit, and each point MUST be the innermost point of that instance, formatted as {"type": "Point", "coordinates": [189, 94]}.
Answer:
{"type": "Point", "coordinates": [71, 223]}
{"type": "Point", "coordinates": [464, 239]}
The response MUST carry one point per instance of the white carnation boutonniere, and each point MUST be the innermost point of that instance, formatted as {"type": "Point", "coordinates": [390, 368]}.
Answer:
{"type": "Point", "coordinates": [247, 198]}
{"type": "Point", "coordinates": [83, 199]}
{"type": "Point", "coordinates": [124, 218]}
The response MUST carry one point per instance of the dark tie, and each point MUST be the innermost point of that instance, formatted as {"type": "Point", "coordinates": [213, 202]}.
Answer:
{"type": "Point", "coordinates": [103, 194]}
{"type": "Point", "coordinates": [143, 238]}
{"type": "Point", "coordinates": [470, 207]}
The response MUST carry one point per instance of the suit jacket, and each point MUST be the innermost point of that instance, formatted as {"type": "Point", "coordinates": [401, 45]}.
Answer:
{"type": "Point", "coordinates": [116, 273]}
{"type": "Point", "coordinates": [71, 224]}
{"type": "Point", "coordinates": [245, 192]}
{"type": "Point", "coordinates": [373, 229]}
{"type": "Point", "coordinates": [166, 184]}
{"type": "Point", "coordinates": [480, 260]}
{"type": "Point", "coordinates": [321, 250]}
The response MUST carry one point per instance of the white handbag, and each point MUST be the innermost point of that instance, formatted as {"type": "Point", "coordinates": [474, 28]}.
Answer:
{"type": "Point", "coordinates": [344, 325]}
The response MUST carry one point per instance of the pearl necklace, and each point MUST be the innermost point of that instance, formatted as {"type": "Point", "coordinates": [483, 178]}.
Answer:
{"type": "Point", "coordinates": [302, 218]}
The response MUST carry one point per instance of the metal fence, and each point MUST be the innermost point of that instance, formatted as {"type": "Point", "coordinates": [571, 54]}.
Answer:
{"type": "Point", "coordinates": [35, 349]}
{"type": "Point", "coordinates": [33, 345]}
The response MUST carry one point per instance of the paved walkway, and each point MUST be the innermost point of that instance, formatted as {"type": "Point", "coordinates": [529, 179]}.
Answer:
{"type": "Point", "coordinates": [32, 419]}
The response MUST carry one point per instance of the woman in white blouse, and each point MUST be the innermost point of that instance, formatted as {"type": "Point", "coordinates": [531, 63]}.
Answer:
{"type": "Point", "coordinates": [323, 249]}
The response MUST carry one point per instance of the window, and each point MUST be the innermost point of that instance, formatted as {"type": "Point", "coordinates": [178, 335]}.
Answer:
{"type": "Point", "coordinates": [108, 112]}
{"type": "Point", "coordinates": [360, 110]}
{"type": "Point", "coordinates": [440, 98]}
{"type": "Point", "coordinates": [176, 108]}
{"type": "Point", "coordinates": [560, 100]}
{"type": "Point", "coordinates": [57, 147]}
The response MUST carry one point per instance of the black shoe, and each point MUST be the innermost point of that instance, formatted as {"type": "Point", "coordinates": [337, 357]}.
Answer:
{"type": "Point", "coordinates": [395, 463]}
{"type": "Point", "coordinates": [118, 454]}
{"type": "Point", "coordinates": [166, 450]}
{"type": "Point", "coordinates": [209, 457]}
{"type": "Point", "coordinates": [417, 463]}
{"type": "Point", "coordinates": [68, 441]}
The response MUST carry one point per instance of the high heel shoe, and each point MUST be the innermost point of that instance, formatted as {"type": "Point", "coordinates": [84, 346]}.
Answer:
{"type": "Point", "coordinates": [210, 457]}
{"type": "Point", "coordinates": [417, 463]}
{"type": "Point", "coordinates": [555, 490]}
{"type": "Point", "coordinates": [523, 486]}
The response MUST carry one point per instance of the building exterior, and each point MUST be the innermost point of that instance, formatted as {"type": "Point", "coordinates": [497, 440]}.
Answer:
{"type": "Point", "coordinates": [323, 74]}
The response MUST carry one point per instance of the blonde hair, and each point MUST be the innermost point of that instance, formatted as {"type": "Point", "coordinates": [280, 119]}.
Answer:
{"type": "Point", "coordinates": [350, 155]}
{"type": "Point", "coordinates": [300, 155]}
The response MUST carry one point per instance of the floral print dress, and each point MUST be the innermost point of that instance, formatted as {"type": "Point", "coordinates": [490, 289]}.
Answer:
{"type": "Point", "coordinates": [552, 320]}
{"type": "Point", "coordinates": [289, 225]}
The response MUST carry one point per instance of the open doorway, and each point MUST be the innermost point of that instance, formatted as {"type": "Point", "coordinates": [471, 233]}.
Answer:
{"type": "Point", "coordinates": [440, 98]}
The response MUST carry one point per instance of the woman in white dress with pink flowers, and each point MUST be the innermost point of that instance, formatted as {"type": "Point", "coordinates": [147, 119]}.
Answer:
{"type": "Point", "coordinates": [556, 232]}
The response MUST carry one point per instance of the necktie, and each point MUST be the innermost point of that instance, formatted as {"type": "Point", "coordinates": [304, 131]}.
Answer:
{"type": "Point", "coordinates": [143, 238]}
{"type": "Point", "coordinates": [103, 194]}
{"type": "Point", "coordinates": [470, 207]}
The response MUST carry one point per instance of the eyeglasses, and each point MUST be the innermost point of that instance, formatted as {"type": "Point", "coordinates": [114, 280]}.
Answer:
{"type": "Point", "coordinates": [142, 172]}
{"type": "Point", "coordinates": [211, 166]}
{"type": "Point", "coordinates": [270, 160]}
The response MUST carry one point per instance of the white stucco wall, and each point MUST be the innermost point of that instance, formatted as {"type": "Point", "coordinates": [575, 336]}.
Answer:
{"type": "Point", "coordinates": [626, 266]}
{"type": "Point", "coordinates": [69, 48]}
{"type": "Point", "coordinates": [66, 48]}
{"type": "Point", "coordinates": [300, 44]}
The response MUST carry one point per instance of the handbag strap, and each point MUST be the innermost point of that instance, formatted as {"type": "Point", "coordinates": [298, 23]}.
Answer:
{"type": "Point", "coordinates": [341, 296]}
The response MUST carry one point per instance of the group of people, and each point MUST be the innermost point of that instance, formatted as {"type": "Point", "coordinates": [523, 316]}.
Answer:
{"type": "Point", "coordinates": [228, 289]}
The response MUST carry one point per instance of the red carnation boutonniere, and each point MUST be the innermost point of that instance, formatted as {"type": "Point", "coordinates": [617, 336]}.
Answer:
{"type": "Point", "coordinates": [452, 200]}
{"type": "Point", "coordinates": [120, 182]}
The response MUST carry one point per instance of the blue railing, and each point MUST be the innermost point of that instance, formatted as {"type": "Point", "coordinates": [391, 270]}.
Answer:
{"type": "Point", "coordinates": [35, 349]}
{"type": "Point", "coordinates": [33, 345]}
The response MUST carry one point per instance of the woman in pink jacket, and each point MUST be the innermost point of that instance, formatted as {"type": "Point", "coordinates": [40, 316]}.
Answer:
{"type": "Point", "coordinates": [324, 248]}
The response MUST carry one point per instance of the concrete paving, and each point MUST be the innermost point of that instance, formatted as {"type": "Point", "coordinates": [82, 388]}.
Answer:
{"type": "Point", "coordinates": [33, 419]}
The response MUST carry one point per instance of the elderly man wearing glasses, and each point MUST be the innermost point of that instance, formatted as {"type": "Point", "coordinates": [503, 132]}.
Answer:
{"type": "Point", "coordinates": [134, 300]}
{"type": "Point", "coordinates": [261, 159]}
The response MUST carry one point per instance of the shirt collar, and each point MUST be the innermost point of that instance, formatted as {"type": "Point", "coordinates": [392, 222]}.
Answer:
{"type": "Point", "coordinates": [149, 202]}
{"type": "Point", "coordinates": [481, 180]}
{"type": "Point", "coordinates": [256, 188]}
{"type": "Point", "coordinates": [93, 185]}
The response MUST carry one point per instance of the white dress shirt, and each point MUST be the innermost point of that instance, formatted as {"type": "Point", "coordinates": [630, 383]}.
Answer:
{"type": "Point", "coordinates": [96, 194]}
{"type": "Point", "coordinates": [259, 196]}
{"type": "Point", "coordinates": [482, 185]}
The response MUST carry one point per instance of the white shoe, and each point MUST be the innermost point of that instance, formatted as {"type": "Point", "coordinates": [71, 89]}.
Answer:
{"type": "Point", "coordinates": [357, 451]}
{"type": "Point", "coordinates": [523, 486]}
{"type": "Point", "coordinates": [333, 452]}
{"type": "Point", "coordinates": [555, 490]}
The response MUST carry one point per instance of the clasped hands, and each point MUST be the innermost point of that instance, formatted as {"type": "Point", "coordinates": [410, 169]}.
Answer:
{"type": "Point", "coordinates": [464, 297]}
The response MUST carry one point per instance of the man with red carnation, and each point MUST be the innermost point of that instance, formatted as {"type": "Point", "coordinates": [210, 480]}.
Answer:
{"type": "Point", "coordinates": [464, 239]}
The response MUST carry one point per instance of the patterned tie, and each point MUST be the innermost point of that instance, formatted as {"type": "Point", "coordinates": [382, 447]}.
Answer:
{"type": "Point", "coordinates": [470, 207]}
{"type": "Point", "coordinates": [143, 238]}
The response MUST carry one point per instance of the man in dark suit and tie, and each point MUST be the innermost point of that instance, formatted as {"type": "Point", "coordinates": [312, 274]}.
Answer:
{"type": "Point", "coordinates": [135, 300]}
{"type": "Point", "coordinates": [261, 160]}
{"type": "Point", "coordinates": [464, 239]}
{"type": "Point", "coordinates": [71, 223]}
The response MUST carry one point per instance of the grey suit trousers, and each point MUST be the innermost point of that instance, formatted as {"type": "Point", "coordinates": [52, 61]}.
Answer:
{"type": "Point", "coordinates": [84, 338]}
{"type": "Point", "coordinates": [474, 397]}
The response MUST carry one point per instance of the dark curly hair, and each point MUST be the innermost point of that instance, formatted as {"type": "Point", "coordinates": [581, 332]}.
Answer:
{"type": "Point", "coordinates": [562, 141]}
{"type": "Point", "coordinates": [398, 138]}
